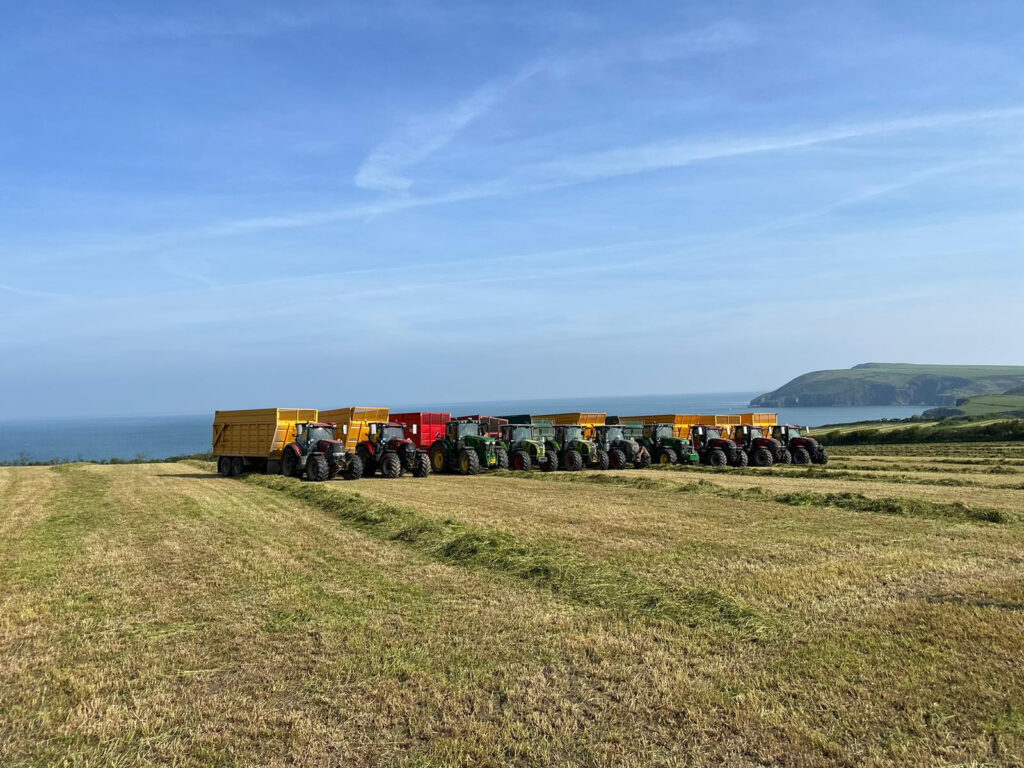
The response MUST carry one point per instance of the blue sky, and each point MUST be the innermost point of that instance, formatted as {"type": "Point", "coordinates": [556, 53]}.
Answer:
{"type": "Point", "coordinates": [215, 205]}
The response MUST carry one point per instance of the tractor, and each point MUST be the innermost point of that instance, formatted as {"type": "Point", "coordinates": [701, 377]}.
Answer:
{"type": "Point", "coordinates": [619, 441]}
{"type": "Point", "coordinates": [665, 447]}
{"type": "Point", "coordinates": [466, 449]}
{"type": "Point", "coordinates": [318, 455]}
{"type": "Point", "coordinates": [525, 445]}
{"type": "Point", "coordinates": [714, 448]}
{"type": "Point", "coordinates": [389, 450]}
{"type": "Point", "coordinates": [798, 441]}
{"type": "Point", "coordinates": [761, 451]}
{"type": "Point", "coordinates": [574, 451]}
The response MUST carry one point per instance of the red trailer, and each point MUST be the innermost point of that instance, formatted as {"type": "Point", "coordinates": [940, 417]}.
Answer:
{"type": "Point", "coordinates": [491, 425]}
{"type": "Point", "coordinates": [424, 427]}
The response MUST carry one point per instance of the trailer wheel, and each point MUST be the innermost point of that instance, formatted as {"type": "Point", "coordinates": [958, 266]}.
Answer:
{"type": "Point", "coordinates": [224, 466]}
{"type": "Point", "coordinates": [391, 466]}
{"type": "Point", "coordinates": [573, 460]}
{"type": "Point", "coordinates": [667, 456]}
{"type": "Point", "coordinates": [521, 461]}
{"type": "Point", "coordinates": [602, 459]}
{"type": "Point", "coordinates": [237, 466]}
{"type": "Point", "coordinates": [438, 458]}
{"type": "Point", "coordinates": [354, 470]}
{"type": "Point", "coordinates": [469, 462]}
{"type": "Point", "coordinates": [617, 458]}
{"type": "Point", "coordinates": [502, 455]}
{"type": "Point", "coordinates": [317, 468]}
{"type": "Point", "coordinates": [421, 465]}
{"type": "Point", "coordinates": [762, 457]}
{"type": "Point", "coordinates": [801, 456]}
{"type": "Point", "coordinates": [717, 458]}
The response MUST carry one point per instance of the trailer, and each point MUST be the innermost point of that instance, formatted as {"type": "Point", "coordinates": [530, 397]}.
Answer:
{"type": "Point", "coordinates": [290, 441]}
{"type": "Point", "coordinates": [354, 423]}
{"type": "Point", "coordinates": [681, 422]}
{"type": "Point", "coordinates": [423, 427]}
{"type": "Point", "coordinates": [759, 419]}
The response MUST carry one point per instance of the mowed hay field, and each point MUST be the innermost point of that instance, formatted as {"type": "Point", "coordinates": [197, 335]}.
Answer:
{"type": "Point", "coordinates": [869, 613]}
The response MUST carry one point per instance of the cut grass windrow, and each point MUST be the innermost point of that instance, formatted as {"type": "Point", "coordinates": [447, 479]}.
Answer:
{"type": "Point", "coordinates": [557, 569]}
{"type": "Point", "coordinates": [856, 502]}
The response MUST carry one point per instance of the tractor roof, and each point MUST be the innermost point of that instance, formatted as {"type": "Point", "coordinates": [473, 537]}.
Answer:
{"type": "Point", "coordinates": [327, 424]}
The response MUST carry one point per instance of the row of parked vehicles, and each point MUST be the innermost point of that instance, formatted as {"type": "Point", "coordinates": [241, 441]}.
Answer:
{"type": "Point", "coordinates": [355, 442]}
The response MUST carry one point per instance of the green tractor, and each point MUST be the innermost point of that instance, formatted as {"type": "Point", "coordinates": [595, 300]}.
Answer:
{"type": "Point", "coordinates": [620, 442]}
{"type": "Point", "coordinates": [574, 451]}
{"type": "Point", "coordinates": [465, 449]}
{"type": "Point", "coordinates": [661, 442]}
{"type": "Point", "coordinates": [526, 446]}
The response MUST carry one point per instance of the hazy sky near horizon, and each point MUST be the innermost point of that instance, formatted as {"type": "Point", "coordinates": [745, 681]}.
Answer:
{"type": "Point", "coordinates": [215, 205]}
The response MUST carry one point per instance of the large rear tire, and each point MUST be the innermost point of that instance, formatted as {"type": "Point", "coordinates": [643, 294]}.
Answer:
{"type": "Point", "coordinates": [822, 457]}
{"type": "Point", "coordinates": [717, 458]}
{"type": "Point", "coordinates": [667, 456]}
{"type": "Point", "coordinates": [801, 456]}
{"type": "Point", "coordinates": [391, 466]}
{"type": "Point", "coordinates": [617, 458]}
{"type": "Point", "coordinates": [317, 468]}
{"type": "Point", "coordinates": [521, 461]}
{"type": "Point", "coordinates": [469, 462]}
{"type": "Point", "coordinates": [603, 459]}
{"type": "Point", "coordinates": [354, 470]}
{"type": "Point", "coordinates": [421, 465]}
{"type": "Point", "coordinates": [224, 466]}
{"type": "Point", "coordinates": [237, 466]}
{"type": "Point", "coordinates": [762, 457]}
{"type": "Point", "coordinates": [502, 458]}
{"type": "Point", "coordinates": [573, 461]}
{"type": "Point", "coordinates": [438, 458]}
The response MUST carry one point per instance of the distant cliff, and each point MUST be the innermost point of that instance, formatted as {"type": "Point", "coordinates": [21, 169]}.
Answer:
{"type": "Point", "coordinates": [893, 384]}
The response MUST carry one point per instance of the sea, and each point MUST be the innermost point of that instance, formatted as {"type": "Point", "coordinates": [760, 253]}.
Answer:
{"type": "Point", "coordinates": [157, 437]}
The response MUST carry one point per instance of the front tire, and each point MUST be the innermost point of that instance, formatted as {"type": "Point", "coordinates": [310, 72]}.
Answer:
{"type": "Point", "coordinates": [602, 459]}
{"type": "Point", "coordinates": [469, 462]}
{"type": "Point", "coordinates": [644, 462]}
{"type": "Point", "coordinates": [421, 465]}
{"type": "Point", "coordinates": [762, 457]}
{"type": "Point", "coordinates": [617, 458]}
{"type": "Point", "coordinates": [317, 468]}
{"type": "Point", "coordinates": [801, 456]}
{"type": "Point", "coordinates": [502, 455]}
{"type": "Point", "coordinates": [354, 470]}
{"type": "Point", "coordinates": [289, 463]}
{"type": "Point", "coordinates": [822, 457]}
{"type": "Point", "coordinates": [787, 457]}
{"type": "Point", "coordinates": [550, 462]}
{"type": "Point", "coordinates": [573, 460]}
{"type": "Point", "coordinates": [521, 461]}
{"type": "Point", "coordinates": [741, 459]}
{"type": "Point", "coordinates": [717, 458]}
{"type": "Point", "coordinates": [369, 465]}
{"type": "Point", "coordinates": [391, 466]}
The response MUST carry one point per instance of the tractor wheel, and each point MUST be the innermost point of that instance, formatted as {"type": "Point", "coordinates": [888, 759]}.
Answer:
{"type": "Point", "coordinates": [502, 458]}
{"type": "Point", "coordinates": [469, 462]}
{"type": "Point", "coordinates": [317, 469]}
{"type": "Point", "coordinates": [224, 466]}
{"type": "Point", "coordinates": [603, 459]}
{"type": "Point", "coordinates": [237, 466]}
{"type": "Point", "coordinates": [354, 470]}
{"type": "Point", "coordinates": [421, 465]}
{"type": "Point", "coordinates": [787, 457]}
{"type": "Point", "coordinates": [741, 458]}
{"type": "Point", "coordinates": [391, 466]}
{"type": "Point", "coordinates": [573, 461]}
{"type": "Point", "coordinates": [644, 462]}
{"type": "Point", "coordinates": [801, 456]}
{"type": "Point", "coordinates": [521, 461]}
{"type": "Point", "coordinates": [762, 457]}
{"type": "Point", "coordinates": [617, 458]}
{"type": "Point", "coordinates": [438, 458]}
{"type": "Point", "coordinates": [369, 465]}
{"type": "Point", "coordinates": [667, 456]}
{"type": "Point", "coordinates": [550, 462]}
{"type": "Point", "coordinates": [717, 458]}
{"type": "Point", "coordinates": [288, 463]}
{"type": "Point", "coordinates": [822, 457]}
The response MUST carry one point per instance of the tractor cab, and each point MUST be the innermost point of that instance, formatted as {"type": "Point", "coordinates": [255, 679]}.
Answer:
{"type": "Point", "coordinates": [459, 430]}
{"type": "Point", "coordinates": [786, 432]}
{"type": "Point", "coordinates": [309, 434]}
{"type": "Point", "coordinates": [705, 434]}
{"type": "Point", "coordinates": [746, 434]}
{"type": "Point", "coordinates": [521, 433]}
{"type": "Point", "coordinates": [659, 432]}
{"type": "Point", "coordinates": [569, 433]}
{"type": "Point", "coordinates": [388, 432]}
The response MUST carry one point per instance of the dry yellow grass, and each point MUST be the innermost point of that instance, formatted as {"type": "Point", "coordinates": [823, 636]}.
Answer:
{"type": "Point", "coordinates": [162, 615]}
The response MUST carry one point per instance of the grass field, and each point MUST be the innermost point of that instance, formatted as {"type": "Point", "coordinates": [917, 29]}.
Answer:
{"type": "Point", "coordinates": [866, 614]}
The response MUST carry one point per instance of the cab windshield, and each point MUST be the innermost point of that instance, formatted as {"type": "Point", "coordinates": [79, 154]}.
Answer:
{"type": "Point", "coordinates": [714, 433]}
{"type": "Point", "coordinates": [469, 429]}
{"type": "Point", "coordinates": [614, 433]}
{"type": "Point", "coordinates": [664, 432]}
{"type": "Point", "coordinates": [315, 434]}
{"type": "Point", "coordinates": [756, 432]}
{"type": "Point", "coordinates": [392, 433]}
{"type": "Point", "coordinates": [573, 433]}
{"type": "Point", "coordinates": [522, 433]}
{"type": "Point", "coordinates": [794, 432]}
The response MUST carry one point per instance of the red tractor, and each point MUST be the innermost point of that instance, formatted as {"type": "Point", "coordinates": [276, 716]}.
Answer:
{"type": "Point", "coordinates": [798, 441]}
{"type": "Point", "coordinates": [318, 455]}
{"type": "Point", "coordinates": [714, 448]}
{"type": "Point", "coordinates": [389, 450]}
{"type": "Point", "coordinates": [761, 450]}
